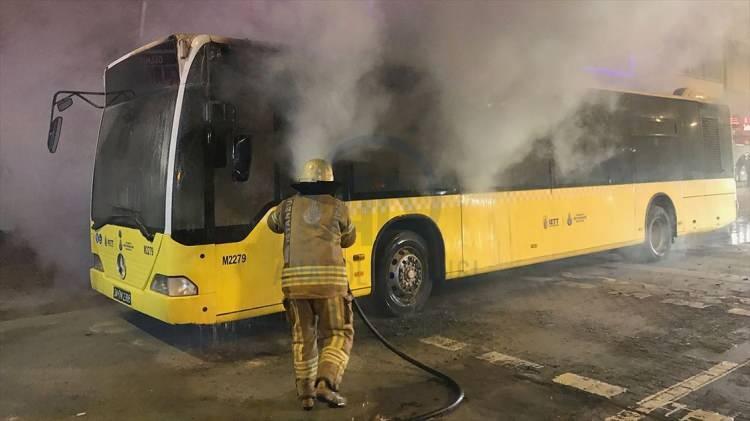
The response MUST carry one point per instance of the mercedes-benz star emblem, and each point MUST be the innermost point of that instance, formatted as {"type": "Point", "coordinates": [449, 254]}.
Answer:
{"type": "Point", "coordinates": [121, 269]}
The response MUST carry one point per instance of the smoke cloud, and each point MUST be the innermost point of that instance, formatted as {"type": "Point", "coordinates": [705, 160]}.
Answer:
{"type": "Point", "coordinates": [498, 75]}
{"type": "Point", "coordinates": [511, 72]}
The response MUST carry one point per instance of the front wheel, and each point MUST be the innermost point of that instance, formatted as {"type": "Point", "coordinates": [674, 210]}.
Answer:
{"type": "Point", "coordinates": [402, 277]}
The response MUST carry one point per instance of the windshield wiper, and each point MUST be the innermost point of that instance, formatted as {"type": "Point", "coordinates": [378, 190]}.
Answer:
{"type": "Point", "coordinates": [133, 217]}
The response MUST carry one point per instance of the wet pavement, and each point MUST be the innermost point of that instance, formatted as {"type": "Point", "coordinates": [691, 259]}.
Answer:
{"type": "Point", "coordinates": [595, 337]}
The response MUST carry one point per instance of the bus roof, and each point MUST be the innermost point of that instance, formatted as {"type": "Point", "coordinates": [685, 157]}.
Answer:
{"type": "Point", "coordinates": [667, 96]}
{"type": "Point", "coordinates": [194, 40]}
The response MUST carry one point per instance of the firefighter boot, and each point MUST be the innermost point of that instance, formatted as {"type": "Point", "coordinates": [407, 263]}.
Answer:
{"type": "Point", "coordinates": [306, 394]}
{"type": "Point", "coordinates": [308, 403]}
{"type": "Point", "coordinates": [326, 394]}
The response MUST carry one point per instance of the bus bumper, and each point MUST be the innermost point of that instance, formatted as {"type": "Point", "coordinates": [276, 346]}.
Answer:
{"type": "Point", "coordinates": [197, 309]}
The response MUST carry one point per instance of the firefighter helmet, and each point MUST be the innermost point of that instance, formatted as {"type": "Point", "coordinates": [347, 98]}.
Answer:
{"type": "Point", "coordinates": [316, 170]}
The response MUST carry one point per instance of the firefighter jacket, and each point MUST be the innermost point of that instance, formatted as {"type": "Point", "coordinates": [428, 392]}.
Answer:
{"type": "Point", "coordinates": [315, 228]}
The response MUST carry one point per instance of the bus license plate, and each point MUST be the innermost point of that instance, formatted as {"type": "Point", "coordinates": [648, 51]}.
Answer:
{"type": "Point", "coordinates": [121, 295]}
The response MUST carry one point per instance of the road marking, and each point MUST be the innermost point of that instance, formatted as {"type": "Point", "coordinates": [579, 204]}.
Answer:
{"type": "Point", "coordinates": [683, 388]}
{"type": "Point", "coordinates": [701, 415]}
{"type": "Point", "coordinates": [586, 384]}
{"type": "Point", "coordinates": [625, 415]}
{"type": "Point", "coordinates": [678, 391]}
{"type": "Point", "coordinates": [680, 302]}
{"type": "Point", "coordinates": [497, 358]}
{"type": "Point", "coordinates": [739, 312]}
{"type": "Point", "coordinates": [692, 415]}
{"type": "Point", "coordinates": [443, 342]}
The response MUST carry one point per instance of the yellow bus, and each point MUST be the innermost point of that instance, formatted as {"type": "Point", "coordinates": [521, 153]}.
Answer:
{"type": "Point", "coordinates": [191, 158]}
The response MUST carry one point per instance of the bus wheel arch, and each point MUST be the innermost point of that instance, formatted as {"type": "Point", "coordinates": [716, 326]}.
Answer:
{"type": "Point", "coordinates": [417, 234]}
{"type": "Point", "coordinates": [665, 202]}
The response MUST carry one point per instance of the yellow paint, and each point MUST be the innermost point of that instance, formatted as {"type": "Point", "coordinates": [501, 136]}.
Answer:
{"type": "Point", "coordinates": [482, 232]}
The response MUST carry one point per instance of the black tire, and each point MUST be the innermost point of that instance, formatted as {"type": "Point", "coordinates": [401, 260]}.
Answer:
{"type": "Point", "coordinates": [659, 234]}
{"type": "Point", "coordinates": [403, 281]}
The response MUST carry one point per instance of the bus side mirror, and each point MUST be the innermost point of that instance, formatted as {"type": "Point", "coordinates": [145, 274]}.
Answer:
{"type": "Point", "coordinates": [242, 154]}
{"type": "Point", "coordinates": [53, 137]}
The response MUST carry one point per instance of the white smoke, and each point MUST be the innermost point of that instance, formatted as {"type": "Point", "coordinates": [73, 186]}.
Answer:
{"type": "Point", "coordinates": [510, 72]}
{"type": "Point", "coordinates": [501, 74]}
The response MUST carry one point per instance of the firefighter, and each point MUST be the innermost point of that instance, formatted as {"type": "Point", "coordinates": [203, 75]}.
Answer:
{"type": "Point", "coordinates": [316, 226]}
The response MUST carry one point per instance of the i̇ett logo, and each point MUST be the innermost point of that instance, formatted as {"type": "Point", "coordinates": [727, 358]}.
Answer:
{"type": "Point", "coordinates": [121, 269]}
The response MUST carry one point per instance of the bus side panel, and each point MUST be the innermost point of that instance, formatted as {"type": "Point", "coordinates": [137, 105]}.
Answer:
{"type": "Point", "coordinates": [692, 214]}
{"type": "Point", "coordinates": [591, 217]}
{"type": "Point", "coordinates": [370, 216]}
{"type": "Point", "coordinates": [486, 230]}
{"type": "Point", "coordinates": [248, 273]}
{"type": "Point", "coordinates": [700, 205]}
{"type": "Point", "coordinates": [704, 204]}
{"type": "Point", "coordinates": [532, 222]}
{"type": "Point", "coordinates": [695, 209]}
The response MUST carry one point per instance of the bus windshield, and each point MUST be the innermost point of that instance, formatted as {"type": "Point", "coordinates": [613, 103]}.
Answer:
{"type": "Point", "coordinates": [131, 158]}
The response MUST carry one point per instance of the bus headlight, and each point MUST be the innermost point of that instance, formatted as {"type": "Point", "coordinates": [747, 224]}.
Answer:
{"type": "Point", "coordinates": [173, 286]}
{"type": "Point", "coordinates": [97, 262]}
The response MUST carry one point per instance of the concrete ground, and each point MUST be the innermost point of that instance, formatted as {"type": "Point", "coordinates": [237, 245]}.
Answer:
{"type": "Point", "coordinates": [595, 337]}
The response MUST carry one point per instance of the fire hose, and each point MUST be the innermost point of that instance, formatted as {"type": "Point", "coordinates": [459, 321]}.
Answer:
{"type": "Point", "coordinates": [447, 380]}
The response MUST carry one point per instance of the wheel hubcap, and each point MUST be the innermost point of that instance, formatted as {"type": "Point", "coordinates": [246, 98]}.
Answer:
{"type": "Point", "coordinates": [405, 276]}
{"type": "Point", "coordinates": [659, 235]}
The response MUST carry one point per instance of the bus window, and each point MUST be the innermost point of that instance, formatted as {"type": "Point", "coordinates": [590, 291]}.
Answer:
{"type": "Point", "coordinates": [654, 126]}
{"type": "Point", "coordinates": [711, 145]}
{"type": "Point", "coordinates": [532, 172]}
{"type": "Point", "coordinates": [708, 155]}
{"type": "Point", "coordinates": [188, 210]}
{"type": "Point", "coordinates": [238, 78]}
{"type": "Point", "coordinates": [188, 193]}
{"type": "Point", "coordinates": [658, 150]}
{"type": "Point", "coordinates": [382, 167]}
{"type": "Point", "coordinates": [657, 158]}
{"type": "Point", "coordinates": [589, 149]}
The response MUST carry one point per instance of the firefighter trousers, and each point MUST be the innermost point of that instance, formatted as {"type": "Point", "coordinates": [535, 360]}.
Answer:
{"type": "Point", "coordinates": [330, 322]}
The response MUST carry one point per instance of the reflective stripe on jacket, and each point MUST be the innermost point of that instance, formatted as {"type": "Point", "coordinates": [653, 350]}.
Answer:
{"type": "Point", "coordinates": [315, 228]}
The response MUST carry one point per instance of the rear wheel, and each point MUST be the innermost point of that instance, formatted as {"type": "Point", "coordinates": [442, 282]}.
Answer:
{"type": "Point", "coordinates": [659, 234]}
{"type": "Point", "coordinates": [742, 173]}
{"type": "Point", "coordinates": [403, 280]}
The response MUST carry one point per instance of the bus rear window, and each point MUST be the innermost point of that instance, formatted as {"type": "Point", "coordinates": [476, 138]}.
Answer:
{"type": "Point", "coordinates": [654, 126]}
